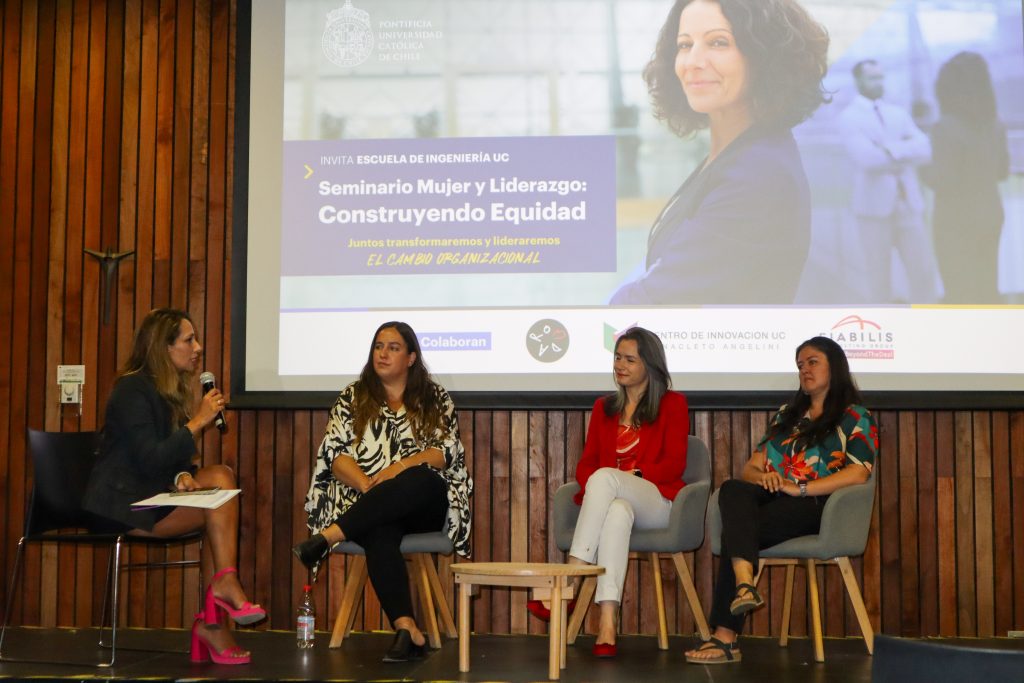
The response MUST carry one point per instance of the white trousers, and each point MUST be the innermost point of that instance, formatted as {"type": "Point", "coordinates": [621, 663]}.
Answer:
{"type": "Point", "coordinates": [613, 503]}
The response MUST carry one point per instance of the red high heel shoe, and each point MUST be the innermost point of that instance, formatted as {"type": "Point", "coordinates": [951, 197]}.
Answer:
{"type": "Point", "coordinates": [537, 609]}
{"type": "Point", "coordinates": [248, 613]}
{"type": "Point", "coordinates": [202, 651]}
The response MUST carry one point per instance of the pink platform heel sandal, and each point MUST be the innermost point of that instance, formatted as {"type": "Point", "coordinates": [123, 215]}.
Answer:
{"type": "Point", "coordinates": [202, 651]}
{"type": "Point", "coordinates": [248, 613]}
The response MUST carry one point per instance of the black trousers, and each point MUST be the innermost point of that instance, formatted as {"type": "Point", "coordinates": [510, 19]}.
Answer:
{"type": "Point", "coordinates": [752, 519]}
{"type": "Point", "coordinates": [416, 501]}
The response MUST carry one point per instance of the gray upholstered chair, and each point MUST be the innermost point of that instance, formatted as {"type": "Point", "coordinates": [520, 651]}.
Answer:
{"type": "Point", "coordinates": [684, 533]}
{"type": "Point", "coordinates": [843, 534]}
{"type": "Point", "coordinates": [420, 549]}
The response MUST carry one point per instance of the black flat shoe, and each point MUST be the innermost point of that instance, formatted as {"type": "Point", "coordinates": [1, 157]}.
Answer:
{"type": "Point", "coordinates": [312, 550]}
{"type": "Point", "coordinates": [403, 649]}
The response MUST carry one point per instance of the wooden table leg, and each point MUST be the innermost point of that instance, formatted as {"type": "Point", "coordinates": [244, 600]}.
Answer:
{"type": "Point", "coordinates": [555, 632]}
{"type": "Point", "coordinates": [464, 592]}
{"type": "Point", "coordinates": [562, 634]}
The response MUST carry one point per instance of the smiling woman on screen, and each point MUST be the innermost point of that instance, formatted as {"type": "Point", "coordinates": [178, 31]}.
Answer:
{"type": "Point", "coordinates": [738, 229]}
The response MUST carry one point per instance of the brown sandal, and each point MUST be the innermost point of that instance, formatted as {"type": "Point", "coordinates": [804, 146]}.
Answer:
{"type": "Point", "coordinates": [742, 605]}
{"type": "Point", "coordinates": [730, 653]}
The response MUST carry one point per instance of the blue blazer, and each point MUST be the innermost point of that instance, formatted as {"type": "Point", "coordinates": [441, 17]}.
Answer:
{"type": "Point", "coordinates": [737, 232]}
{"type": "Point", "coordinates": [140, 454]}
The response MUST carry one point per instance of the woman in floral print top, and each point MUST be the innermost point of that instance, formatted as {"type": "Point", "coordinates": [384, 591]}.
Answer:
{"type": "Point", "coordinates": [821, 441]}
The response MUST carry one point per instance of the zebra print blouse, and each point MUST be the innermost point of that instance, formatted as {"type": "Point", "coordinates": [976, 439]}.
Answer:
{"type": "Point", "coordinates": [387, 439]}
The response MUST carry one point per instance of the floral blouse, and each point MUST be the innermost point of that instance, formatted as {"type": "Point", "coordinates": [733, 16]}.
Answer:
{"type": "Point", "coordinates": [855, 440]}
{"type": "Point", "coordinates": [386, 440]}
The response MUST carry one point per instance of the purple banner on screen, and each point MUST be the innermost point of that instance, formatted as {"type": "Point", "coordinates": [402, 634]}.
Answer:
{"type": "Point", "coordinates": [466, 205]}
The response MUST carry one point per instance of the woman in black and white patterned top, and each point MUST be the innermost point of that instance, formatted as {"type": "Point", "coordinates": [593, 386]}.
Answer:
{"type": "Point", "coordinates": [391, 463]}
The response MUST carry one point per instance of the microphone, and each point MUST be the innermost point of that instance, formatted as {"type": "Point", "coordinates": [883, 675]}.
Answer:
{"type": "Point", "coordinates": [209, 384]}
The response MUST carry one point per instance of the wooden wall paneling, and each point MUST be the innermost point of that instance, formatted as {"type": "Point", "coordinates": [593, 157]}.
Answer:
{"type": "Point", "coordinates": [328, 596]}
{"type": "Point", "coordinates": [40, 212]}
{"type": "Point", "coordinates": [483, 478]}
{"type": "Point", "coordinates": [58, 207]}
{"type": "Point", "coordinates": [300, 462]}
{"type": "Point", "coordinates": [1002, 524]}
{"type": "Point", "coordinates": [110, 228]}
{"type": "Point", "coordinates": [263, 582]}
{"type": "Point", "coordinates": [889, 513]}
{"type": "Point", "coordinates": [220, 152]}
{"type": "Point", "coordinates": [145, 212]}
{"type": "Point", "coordinates": [945, 471]}
{"type": "Point", "coordinates": [967, 615]}
{"type": "Point", "coordinates": [555, 445]}
{"type": "Point", "coordinates": [284, 509]}
{"type": "Point", "coordinates": [982, 518]}
{"type": "Point", "coordinates": [183, 286]}
{"type": "Point", "coordinates": [1016, 447]}
{"type": "Point", "coordinates": [57, 298]}
{"type": "Point", "coordinates": [519, 511]}
{"type": "Point", "coordinates": [92, 182]}
{"type": "Point", "coordinates": [536, 499]}
{"type": "Point", "coordinates": [210, 87]}
{"type": "Point", "coordinates": [164, 291]}
{"type": "Point", "coordinates": [129, 278]}
{"type": "Point", "coordinates": [240, 454]}
{"type": "Point", "coordinates": [909, 529]}
{"type": "Point", "coordinates": [17, 308]}
{"type": "Point", "coordinates": [927, 574]}
{"type": "Point", "coordinates": [10, 479]}
{"type": "Point", "coordinates": [501, 538]}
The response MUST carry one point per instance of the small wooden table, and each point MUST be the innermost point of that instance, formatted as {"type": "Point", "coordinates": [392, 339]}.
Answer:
{"type": "Point", "coordinates": [554, 577]}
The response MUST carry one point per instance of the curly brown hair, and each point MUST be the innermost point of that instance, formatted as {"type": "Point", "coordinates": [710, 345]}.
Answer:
{"type": "Point", "coordinates": [786, 53]}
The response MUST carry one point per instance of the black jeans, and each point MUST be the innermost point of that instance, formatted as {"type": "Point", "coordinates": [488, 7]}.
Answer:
{"type": "Point", "coordinates": [752, 519]}
{"type": "Point", "coordinates": [415, 501]}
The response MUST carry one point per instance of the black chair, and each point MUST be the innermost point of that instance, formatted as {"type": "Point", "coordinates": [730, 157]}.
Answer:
{"type": "Point", "coordinates": [62, 462]}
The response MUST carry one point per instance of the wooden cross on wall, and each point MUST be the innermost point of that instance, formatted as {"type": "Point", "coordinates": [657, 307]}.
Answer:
{"type": "Point", "coordinates": [109, 261]}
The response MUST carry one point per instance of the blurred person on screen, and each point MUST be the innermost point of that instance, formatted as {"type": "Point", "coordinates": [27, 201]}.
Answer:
{"type": "Point", "coordinates": [738, 229]}
{"type": "Point", "coordinates": [886, 147]}
{"type": "Point", "coordinates": [821, 441]}
{"type": "Point", "coordinates": [629, 473]}
{"type": "Point", "coordinates": [153, 418]}
{"type": "Point", "coordinates": [969, 159]}
{"type": "Point", "coordinates": [391, 463]}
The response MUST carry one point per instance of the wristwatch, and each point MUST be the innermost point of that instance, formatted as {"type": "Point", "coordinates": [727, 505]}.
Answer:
{"type": "Point", "coordinates": [803, 489]}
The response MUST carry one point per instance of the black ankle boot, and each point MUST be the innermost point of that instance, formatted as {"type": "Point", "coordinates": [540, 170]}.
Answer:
{"type": "Point", "coordinates": [312, 550]}
{"type": "Point", "coordinates": [403, 649]}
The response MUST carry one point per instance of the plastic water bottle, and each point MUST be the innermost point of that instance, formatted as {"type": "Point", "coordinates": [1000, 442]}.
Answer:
{"type": "Point", "coordinates": [305, 621]}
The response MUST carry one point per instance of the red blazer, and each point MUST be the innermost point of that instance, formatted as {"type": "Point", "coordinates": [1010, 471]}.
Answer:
{"type": "Point", "coordinates": [661, 453]}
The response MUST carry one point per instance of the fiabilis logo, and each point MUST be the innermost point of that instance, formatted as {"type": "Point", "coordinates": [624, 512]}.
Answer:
{"type": "Point", "coordinates": [862, 338]}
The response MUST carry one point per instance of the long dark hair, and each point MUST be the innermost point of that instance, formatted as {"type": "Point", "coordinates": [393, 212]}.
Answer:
{"type": "Point", "coordinates": [149, 357]}
{"type": "Point", "coordinates": [964, 89]}
{"type": "Point", "coordinates": [420, 396]}
{"type": "Point", "coordinates": [652, 354]}
{"type": "Point", "coordinates": [786, 52]}
{"type": "Point", "coordinates": [842, 392]}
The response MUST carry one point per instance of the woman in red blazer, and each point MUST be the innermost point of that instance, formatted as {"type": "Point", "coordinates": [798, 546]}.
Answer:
{"type": "Point", "coordinates": [630, 471]}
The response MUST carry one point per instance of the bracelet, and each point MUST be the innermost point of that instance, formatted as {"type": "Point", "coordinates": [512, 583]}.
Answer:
{"type": "Point", "coordinates": [399, 461]}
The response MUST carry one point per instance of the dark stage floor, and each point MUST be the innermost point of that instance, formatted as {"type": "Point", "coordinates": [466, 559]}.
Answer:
{"type": "Point", "coordinates": [493, 658]}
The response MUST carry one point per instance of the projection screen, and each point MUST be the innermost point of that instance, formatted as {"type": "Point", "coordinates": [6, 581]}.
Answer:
{"type": "Point", "coordinates": [494, 174]}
